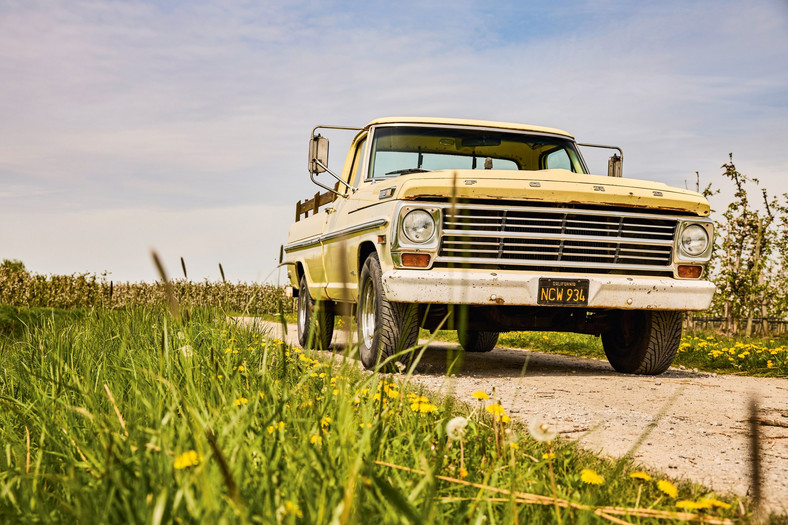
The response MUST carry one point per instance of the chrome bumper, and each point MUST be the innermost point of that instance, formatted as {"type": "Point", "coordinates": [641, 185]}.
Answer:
{"type": "Point", "coordinates": [521, 288]}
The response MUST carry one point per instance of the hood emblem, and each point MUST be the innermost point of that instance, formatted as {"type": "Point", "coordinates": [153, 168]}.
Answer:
{"type": "Point", "coordinates": [385, 194]}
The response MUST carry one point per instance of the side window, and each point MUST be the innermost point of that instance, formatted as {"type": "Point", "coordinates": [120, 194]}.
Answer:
{"type": "Point", "coordinates": [558, 159]}
{"type": "Point", "coordinates": [357, 157]}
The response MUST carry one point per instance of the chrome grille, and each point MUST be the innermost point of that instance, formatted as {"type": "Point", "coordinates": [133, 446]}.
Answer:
{"type": "Point", "coordinates": [562, 239]}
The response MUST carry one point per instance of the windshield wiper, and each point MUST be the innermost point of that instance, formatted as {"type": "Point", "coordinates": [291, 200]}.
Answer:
{"type": "Point", "coordinates": [406, 171]}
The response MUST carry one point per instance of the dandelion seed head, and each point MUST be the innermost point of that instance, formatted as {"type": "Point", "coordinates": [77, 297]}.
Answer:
{"type": "Point", "coordinates": [541, 430]}
{"type": "Point", "coordinates": [456, 428]}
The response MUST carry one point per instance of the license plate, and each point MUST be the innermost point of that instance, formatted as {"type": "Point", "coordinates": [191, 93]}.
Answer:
{"type": "Point", "coordinates": [565, 292]}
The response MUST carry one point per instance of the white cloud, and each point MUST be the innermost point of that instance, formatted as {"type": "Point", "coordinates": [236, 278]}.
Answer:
{"type": "Point", "coordinates": [135, 105]}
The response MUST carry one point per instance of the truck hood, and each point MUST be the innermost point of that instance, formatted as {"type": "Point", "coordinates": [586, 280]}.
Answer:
{"type": "Point", "coordinates": [548, 186]}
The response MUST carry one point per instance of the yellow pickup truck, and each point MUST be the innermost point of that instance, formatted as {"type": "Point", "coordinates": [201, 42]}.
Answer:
{"type": "Point", "coordinates": [486, 227]}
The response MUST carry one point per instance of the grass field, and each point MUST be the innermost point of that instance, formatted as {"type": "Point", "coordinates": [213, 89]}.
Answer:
{"type": "Point", "coordinates": [132, 416]}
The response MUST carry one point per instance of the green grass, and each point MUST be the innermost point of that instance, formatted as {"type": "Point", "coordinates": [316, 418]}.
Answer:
{"type": "Point", "coordinates": [704, 351]}
{"type": "Point", "coordinates": [14, 321]}
{"type": "Point", "coordinates": [134, 417]}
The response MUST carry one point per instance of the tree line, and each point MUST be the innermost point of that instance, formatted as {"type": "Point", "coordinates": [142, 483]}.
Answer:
{"type": "Point", "coordinates": [750, 256]}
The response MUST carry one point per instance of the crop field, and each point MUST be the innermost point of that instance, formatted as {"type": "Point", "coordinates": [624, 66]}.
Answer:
{"type": "Point", "coordinates": [140, 416]}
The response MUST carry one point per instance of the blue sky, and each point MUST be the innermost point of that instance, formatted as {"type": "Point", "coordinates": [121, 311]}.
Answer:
{"type": "Point", "coordinates": [182, 126]}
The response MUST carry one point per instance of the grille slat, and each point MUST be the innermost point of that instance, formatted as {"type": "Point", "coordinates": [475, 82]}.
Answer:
{"type": "Point", "coordinates": [566, 239]}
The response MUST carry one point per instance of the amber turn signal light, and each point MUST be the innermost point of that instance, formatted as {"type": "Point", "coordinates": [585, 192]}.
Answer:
{"type": "Point", "coordinates": [690, 272]}
{"type": "Point", "coordinates": [416, 260]}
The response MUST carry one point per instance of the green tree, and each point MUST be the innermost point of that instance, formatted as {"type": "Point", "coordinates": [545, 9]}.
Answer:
{"type": "Point", "coordinates": [746, 241]}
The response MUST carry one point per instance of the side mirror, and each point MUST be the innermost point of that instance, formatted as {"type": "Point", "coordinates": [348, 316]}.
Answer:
{"type": "Point", "coordinates": [615, 166]}
{"type": "Point", "coordinates": [318, 154]}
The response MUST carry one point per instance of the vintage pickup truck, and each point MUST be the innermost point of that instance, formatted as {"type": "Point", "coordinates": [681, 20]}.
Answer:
{"type": "Point", "coordinates": [487, 227]}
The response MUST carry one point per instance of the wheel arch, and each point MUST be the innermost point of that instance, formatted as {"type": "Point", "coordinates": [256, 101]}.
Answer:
{"type": "Point", "coordinates": [365, 249]}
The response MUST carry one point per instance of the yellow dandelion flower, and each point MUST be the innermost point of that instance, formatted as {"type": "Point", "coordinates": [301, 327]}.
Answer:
{"type": "Point", "coordinates": [278, 426]}
{"type": "Point", "coordinates": [480, 394]}
{"type": "Point", "coordinates": [325, 422]}
{"type": "Point", "coordinates": [591, 477]}
{"type": "Point", "coordinates": [463, 473]}
{"type": "Point", "coordinates": [262, 396]}
{"type": "Point", "coordinates": [496, 410]}
{"type": "Point", "coordinates": [716, 503]}
{"type": "Point", "coordinates": [548, 455]}
{"type": "Point", "coordinates": [693, 505]}
{"type": "Point", "coordinates": [240, 401]}
{"type": "Point", "coordinates": [292, 508]}
{"type": "Point", "coordinates": [514, 446]}
{"type": "Point", "coordinates": [668, 488]}
{"type": "Point", "coordinates": [240, 368]}
{"type": "Point", "coordinates": [427, 408]}
{"type": "Point", "coordinates": [505, 419]}
{"type": "Point", "coordinates": [640, 475]}
{"type": "Point", "coordinates": [316, 439]}
{"type": "Point", "coordinates": [188, 459]}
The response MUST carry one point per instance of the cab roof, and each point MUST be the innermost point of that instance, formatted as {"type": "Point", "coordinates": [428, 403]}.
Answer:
{"type": "Point", "coordinates": [467, 122]}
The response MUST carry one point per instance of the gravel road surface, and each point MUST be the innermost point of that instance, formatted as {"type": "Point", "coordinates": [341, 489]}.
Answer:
{"type": "Point", "coordinates": [702, 435]}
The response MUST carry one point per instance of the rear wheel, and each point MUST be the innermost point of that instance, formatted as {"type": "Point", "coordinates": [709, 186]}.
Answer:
{"type": "Point", "coordinates": [477, 341]}
{"type": "Point", "coordinates": [643, 342]}
{"type": "Point", "coordinates": [385, 328]}
{"type": "Point", "coordinates": [315, 319]}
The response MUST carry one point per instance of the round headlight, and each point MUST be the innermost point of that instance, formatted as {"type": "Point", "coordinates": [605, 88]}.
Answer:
{"type": "Point", "coordinates": [418, 226]}
{"type": "Point", "coordinates": [694, 240]}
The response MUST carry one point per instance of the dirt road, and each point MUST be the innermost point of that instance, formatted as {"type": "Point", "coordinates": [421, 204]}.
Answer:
{"type": "Point", "coordinates": [703, 434]}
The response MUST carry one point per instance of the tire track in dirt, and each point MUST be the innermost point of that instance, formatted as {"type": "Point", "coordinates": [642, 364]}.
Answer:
{"type": "Point", "coordinates": [703, 434]}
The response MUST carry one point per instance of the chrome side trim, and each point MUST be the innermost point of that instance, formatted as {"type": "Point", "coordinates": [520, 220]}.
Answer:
{"type": "Point", "coordinates": [302, 244]}
{"type": "Point", "coordinates": [314, 241]}
{"type": "Point", "coordinates": [354, 229]}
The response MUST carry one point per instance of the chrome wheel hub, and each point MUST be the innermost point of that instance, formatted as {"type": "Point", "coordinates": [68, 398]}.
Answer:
{"type": "Point", "coordinates": [366, 316]}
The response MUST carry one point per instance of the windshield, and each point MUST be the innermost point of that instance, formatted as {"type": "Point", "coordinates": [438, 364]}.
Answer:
{"type": "Point", "coordinates": [397, 150]}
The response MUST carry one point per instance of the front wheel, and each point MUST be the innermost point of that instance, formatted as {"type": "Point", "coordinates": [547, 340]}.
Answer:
{"type": "Point", "coordinates": [642, 342]}
{"type": "Point", "coordinates": [477, 340]}
{"type": "Point", "coordinates": [385, 328]}
{"type": "Point", "coordinates": [315, 319]}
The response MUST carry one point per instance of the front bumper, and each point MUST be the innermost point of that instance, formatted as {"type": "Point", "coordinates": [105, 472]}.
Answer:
{"type": "Point", "coordinates": [521, 288]}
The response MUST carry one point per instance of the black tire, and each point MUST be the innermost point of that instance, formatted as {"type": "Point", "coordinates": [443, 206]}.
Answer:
{"type": "Point", "coordinates": [315, 319]}
{"type": "Point", "coordinates": [477, 341]}
{"type": "Point", "coordinates": [643, 342]}
{"type": "Point", "coordinates": [385, 328]}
